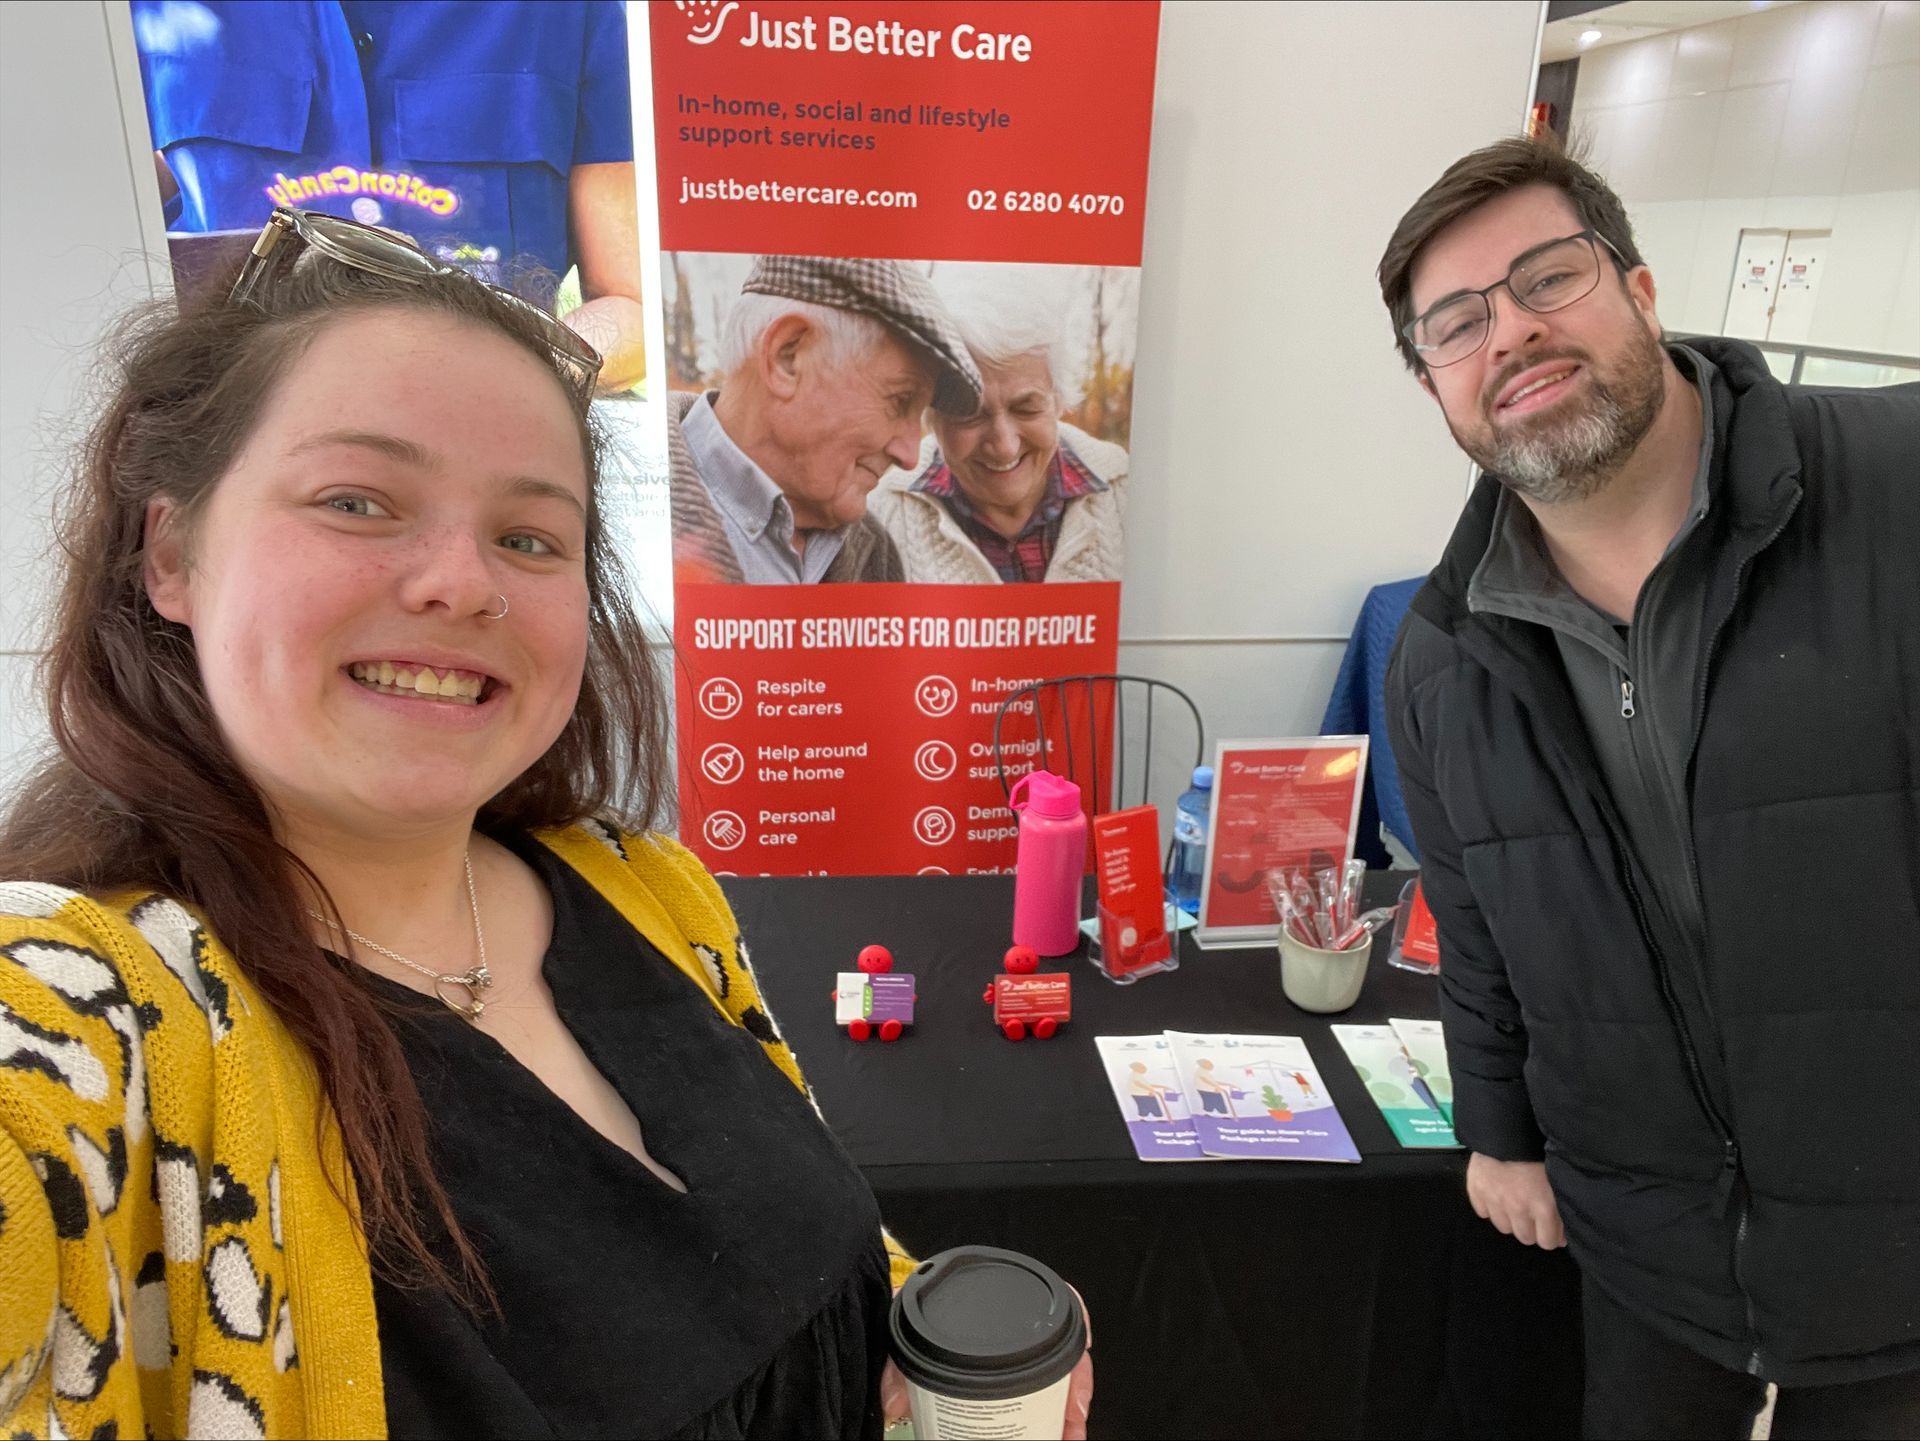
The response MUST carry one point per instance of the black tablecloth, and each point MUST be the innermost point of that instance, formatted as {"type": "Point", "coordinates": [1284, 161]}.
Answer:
{"type": "Point", "coordinates": [1227, 1298]}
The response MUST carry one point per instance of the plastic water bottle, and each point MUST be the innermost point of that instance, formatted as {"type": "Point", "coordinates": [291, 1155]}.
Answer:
{"type": "Point", "coordinates": [1190, 841]}
{"type": "Point", "coordinates": [1049, 861]}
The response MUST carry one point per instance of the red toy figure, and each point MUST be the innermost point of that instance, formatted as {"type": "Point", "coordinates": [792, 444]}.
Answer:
{"type": "Point", "coordinates": [871, 999]}
{"type": "Point", "coordinates": [1023, 1000]}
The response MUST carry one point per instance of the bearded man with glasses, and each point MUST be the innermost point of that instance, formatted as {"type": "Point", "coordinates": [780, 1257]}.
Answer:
{"type": "Point", "coordinates": [1657, 718]}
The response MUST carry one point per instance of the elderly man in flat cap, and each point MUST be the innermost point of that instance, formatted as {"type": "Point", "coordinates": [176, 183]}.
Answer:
{"type": "Point", "coordinates": [828, 366]}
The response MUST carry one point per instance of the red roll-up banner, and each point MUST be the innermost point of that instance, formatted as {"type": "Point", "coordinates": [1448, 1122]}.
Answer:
{"type": "Point", "coordinates": [901, 247]}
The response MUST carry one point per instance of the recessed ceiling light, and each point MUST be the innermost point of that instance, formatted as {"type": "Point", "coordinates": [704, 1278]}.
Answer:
{"type": "Point", "coordinates": [1587, 37]}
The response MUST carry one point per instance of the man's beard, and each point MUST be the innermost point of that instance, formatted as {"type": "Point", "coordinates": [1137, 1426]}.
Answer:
{"type": "Point", "coordinates": [1571, 451]}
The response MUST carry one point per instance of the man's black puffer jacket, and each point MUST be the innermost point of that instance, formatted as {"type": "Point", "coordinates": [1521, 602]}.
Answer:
{"type": "Point", "coordinates": [1733, 1136]}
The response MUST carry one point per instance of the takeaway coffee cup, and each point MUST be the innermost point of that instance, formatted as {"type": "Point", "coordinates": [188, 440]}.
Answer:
{"type": "Point", "coordinates": [987, 1341]}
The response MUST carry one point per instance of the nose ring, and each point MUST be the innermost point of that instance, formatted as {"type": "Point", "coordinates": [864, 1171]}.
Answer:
{"type": "Point", "coordinates": [501, 615]}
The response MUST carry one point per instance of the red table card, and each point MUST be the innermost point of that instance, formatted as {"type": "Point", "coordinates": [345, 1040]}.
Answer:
{"type": "Point", "coordinates": [1133, 915]}
{"type": "Point", "coordinates": [1276, 804]}
{"type": "Point", "coordinates": [1047, 995]}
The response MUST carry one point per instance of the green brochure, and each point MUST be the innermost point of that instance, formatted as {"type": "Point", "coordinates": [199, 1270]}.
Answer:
{"type": "Point", "coordinates": [1412, 1105]}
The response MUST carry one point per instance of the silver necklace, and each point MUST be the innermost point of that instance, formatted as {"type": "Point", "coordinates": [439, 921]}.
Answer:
{"type": "Point", "coordinates": [474, 980]}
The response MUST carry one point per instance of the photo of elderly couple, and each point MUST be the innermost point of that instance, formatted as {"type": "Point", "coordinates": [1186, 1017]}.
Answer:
{"type": "Point", "coordinates": [835, 420]}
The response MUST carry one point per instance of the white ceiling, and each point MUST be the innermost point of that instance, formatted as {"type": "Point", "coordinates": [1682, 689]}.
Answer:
{"type": "Point", "coordinates": [1637, 19]}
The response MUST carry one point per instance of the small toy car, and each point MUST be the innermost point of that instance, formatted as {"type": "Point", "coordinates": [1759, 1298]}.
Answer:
{"type": "Point", "coordinates": [1027, 1000]}
{"type": "Point", "coordinates": [872, 1000]}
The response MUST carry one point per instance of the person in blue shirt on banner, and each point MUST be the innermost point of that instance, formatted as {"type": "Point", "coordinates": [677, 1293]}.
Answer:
{"type": "Point", "coordinates": [493, 134]}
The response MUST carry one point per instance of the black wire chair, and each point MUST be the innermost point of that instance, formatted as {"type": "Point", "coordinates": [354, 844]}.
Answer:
{"type": "Point", "coordinates": [1077, 755]}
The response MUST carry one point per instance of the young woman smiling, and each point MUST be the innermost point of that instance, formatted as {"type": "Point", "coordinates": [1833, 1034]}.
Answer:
{"type": "Point", "coordinates": [367, 1062]}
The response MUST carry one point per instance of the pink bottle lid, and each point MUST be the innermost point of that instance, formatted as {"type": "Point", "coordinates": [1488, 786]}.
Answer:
{"type": "Point", "coordinates": [1045, 794]}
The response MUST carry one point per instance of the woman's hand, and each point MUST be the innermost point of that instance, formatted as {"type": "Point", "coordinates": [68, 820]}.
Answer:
{"type": "Point", "coordinates": [893, 1390]}
{"type": "Point", "coordinates": [1080, 1397]}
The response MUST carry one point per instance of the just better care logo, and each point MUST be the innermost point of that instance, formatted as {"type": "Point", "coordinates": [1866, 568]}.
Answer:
{"type": "Point", "coordinates": [707, 23]}
{"type": "Point", "coordinates": [705, 18]}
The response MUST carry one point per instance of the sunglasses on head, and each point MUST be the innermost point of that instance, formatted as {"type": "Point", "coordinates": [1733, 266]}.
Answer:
{"type": "Point", "coordinates": [289, 234]}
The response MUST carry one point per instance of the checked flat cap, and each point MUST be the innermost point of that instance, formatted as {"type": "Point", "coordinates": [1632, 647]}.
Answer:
{"type": "Point", "coordinates": [896, 295]}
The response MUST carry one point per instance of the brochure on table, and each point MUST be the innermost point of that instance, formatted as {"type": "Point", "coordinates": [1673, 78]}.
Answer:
{"type": "Point", "coordinates": [1188, 1097]}
{"type": "Point", "coordinates": [1406, 1088]}
{"type": "Point", "coordinates": [1146, 1084]}
{"type": "Point", "coordinates": [1427, 1047]}
{"type": "Point", "coordinates": [1259, 1098]}
{"type": "Point", "coordinates": [1276, 804]}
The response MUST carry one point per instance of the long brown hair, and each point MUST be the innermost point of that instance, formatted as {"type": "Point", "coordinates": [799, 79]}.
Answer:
{"type": "Point", "coordinates": [142, 793]}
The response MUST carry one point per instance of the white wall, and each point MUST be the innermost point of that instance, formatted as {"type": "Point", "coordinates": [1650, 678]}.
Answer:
{"type": "Point", "coordinates": [1285, 460]}
{"type": "Point", "coordinates": [71, 257]}
{"type": "Point", "coordinates": [1798, 117]}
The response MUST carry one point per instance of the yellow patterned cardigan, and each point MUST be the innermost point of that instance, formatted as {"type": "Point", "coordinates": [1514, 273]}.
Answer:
{"type": "Point", "coordinates": [173, 1260]}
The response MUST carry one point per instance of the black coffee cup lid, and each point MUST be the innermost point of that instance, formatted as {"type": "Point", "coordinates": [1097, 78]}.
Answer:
{"type": "Point", "coordinates": [982, 1322]}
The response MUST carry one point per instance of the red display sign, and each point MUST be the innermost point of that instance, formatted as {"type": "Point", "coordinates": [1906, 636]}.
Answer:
{"type": "Point", "coordinates": [1276, 805]}
{"type": "Point", "coordinates": [979, 131]}
{"type": "Point", "coordinates": [848, 729]}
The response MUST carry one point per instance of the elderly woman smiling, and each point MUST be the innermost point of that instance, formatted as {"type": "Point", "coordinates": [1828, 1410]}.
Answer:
{"type": "Point", "coordinates": [1011, 492]}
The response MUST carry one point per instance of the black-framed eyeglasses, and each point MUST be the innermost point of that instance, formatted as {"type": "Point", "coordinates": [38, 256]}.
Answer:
{"type": "Point", "coordinates": [288, 233]}
{"type": "Point", "coordinates": [1547, 278]}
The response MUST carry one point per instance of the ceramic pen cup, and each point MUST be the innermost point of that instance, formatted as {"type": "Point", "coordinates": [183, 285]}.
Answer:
{"type": "Point", "coordinates": [1323, 981]}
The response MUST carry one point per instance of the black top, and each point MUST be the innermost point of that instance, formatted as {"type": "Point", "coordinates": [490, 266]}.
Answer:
{"type": "Point", "coordinates": [1728, 1127]}
{"type": "Point", "coordinates": [753, 1305]}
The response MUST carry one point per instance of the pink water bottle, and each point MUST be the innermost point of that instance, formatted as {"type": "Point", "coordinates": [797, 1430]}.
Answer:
{"type": "Point", "coordinates": [1049, 864]}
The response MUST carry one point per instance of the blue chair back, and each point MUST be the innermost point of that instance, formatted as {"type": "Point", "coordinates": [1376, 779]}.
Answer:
{"type": "Point", "coordinates": [1357, 707]}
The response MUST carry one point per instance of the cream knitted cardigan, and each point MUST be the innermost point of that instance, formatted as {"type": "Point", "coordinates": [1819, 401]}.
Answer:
{"type": "Point", "coordinates": [934, 549]}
